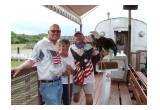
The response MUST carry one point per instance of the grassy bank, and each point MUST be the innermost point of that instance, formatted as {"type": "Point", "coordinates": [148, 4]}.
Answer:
{"type": "Point", "coordinates": [16, 63]}
{"type": "Point", "coordinates": [22, 46]}
{"type": "Point", "coordinates": [14, 46]}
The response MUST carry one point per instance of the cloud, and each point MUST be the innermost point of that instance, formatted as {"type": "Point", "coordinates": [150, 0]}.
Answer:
{"type": "Point", "coordinates": [37, 19]}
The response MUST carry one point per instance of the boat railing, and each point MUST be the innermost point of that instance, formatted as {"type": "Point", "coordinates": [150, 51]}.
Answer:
{"type": "Point", "coordinates": [24, 88]}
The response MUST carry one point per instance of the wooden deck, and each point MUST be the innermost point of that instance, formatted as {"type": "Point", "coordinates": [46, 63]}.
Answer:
{"type": "Point", "coordinates": [119, 93]}
{"type": "Point", "coordinates": [25, 92]}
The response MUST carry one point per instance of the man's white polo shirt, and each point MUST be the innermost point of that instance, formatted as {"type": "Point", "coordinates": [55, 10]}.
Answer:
{"type": "Point", "coordinates": [43, 54]}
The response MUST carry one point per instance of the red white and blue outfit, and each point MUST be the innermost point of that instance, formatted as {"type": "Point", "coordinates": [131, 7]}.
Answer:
{"type": "Point", "coordinates": [83, 76]}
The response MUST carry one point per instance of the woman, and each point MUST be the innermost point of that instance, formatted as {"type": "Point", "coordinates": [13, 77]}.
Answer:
{"type": "Point", "coordinates": [67, 60]}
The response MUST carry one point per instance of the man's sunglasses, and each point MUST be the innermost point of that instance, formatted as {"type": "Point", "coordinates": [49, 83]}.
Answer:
{"type": "Point", "coordinates": [53, 31]}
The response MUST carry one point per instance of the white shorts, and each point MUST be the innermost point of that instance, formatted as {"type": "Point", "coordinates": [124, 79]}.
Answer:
{"type": "Point", "coordinates": [87, 88]}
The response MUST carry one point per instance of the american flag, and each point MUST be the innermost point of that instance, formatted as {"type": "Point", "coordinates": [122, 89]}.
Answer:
{"type": "Point", "coordinates": [81, 74]}
{"type": "Point", "coordinates": [56, 57]}
{"type": "Point", "coordinates": [41, 55]}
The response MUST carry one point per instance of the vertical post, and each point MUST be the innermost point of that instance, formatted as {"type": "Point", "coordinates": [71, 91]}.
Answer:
{"type": "Point", "coordinates": [106, 85]}
{"type": "Point", "coordinates": [69, 89]}
{"type": "Point", "coordinates": [138, 55]}
{"type": "Point", "coordinates": [108, 15]}
{"type": "Point", "coordinates": [39, 95]}
{"type": "Point", "coordinates": [75, 30]}
{"type": "Point", "coordinates": [129, 8]}
{"type": "Point", "coordinates": [110, 21]}
{"type": "Point", "coordinates": [129, 36]}
{"type": "Point", "coordinates": [81, 27]}
{"type": "Point", "coordinates": [18, 50]}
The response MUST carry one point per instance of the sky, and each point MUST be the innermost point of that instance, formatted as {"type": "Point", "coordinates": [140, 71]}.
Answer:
{"type": "Point", "coordinates": [37, 18]}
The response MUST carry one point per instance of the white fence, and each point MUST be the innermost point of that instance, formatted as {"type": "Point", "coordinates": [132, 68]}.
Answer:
{"type": "Point", "coordinates": [19, 57]}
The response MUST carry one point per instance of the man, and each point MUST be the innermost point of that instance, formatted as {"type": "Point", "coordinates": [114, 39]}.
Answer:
{"type": "Point", "coordinates": [49, 66]}
{"type": "Point", "coordinates": [84, 72]}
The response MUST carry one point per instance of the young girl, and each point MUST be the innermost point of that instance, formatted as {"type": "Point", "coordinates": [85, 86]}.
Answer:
{"type": "Point", "coordinates": [67, 60]}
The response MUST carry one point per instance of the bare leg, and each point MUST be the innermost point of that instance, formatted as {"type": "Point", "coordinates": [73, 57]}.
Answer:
{"type": "Point", "coordinates": [76, 97]}
{"type": "Point", "coordinates": [89, 99]}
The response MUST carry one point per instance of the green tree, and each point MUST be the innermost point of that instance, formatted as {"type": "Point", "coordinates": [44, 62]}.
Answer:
{"type": "Point", "coordinates": [23, 38]}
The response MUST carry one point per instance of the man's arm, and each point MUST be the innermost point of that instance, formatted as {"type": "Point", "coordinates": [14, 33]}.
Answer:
{"type": "Point", "coordinates": [27, 64]}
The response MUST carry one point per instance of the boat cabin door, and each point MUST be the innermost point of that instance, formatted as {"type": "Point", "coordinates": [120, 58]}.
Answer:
{"type": "Point", "coordinates": [121, 41]}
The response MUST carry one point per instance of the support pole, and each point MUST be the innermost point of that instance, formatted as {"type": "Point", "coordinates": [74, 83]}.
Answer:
{"type": "Point", "coordinates": [81, 27]}
{"type": "Point", "coordinates": [129, 36]}
{"type": "Point", "coordinates": [129, 8]}
{"type": "Point", "coordinates": [69, 89]}
{"type": "Point", "coordinates": [106, 80]}
{"type": "Point", "coordinates": [18, 50]}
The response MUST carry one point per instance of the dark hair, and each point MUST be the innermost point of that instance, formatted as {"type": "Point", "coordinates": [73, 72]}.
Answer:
{"type": "Point", "coordinates": [64, 41]}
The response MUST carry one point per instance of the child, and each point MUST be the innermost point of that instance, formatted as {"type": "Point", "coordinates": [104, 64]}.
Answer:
{"type": "Point", "coordinates": [67, 60]}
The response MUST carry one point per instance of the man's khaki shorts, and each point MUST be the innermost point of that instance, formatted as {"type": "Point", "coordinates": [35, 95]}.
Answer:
{"type": "Point", "coordinates": [87, 88]}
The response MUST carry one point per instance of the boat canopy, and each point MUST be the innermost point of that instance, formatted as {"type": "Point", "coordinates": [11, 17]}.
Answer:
{"type": "Point", "coordinates": [74, 13]}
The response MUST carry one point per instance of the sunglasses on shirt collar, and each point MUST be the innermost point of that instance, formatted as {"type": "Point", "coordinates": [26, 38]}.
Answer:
{"type": "Point", "coordinates": [53, 31]}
